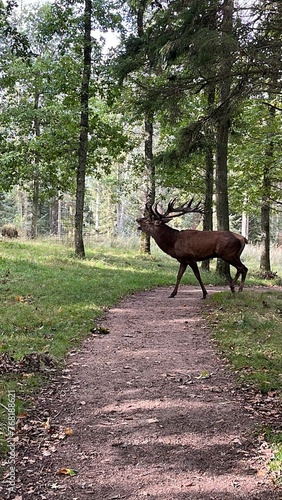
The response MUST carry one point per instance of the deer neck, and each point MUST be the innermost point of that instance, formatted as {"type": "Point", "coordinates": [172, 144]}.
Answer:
{"type": "Point", "coordinates": [165, 238]}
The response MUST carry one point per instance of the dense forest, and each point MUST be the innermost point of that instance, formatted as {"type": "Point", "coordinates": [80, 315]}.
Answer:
{"type": "Point", "coordinates": [185, 102]}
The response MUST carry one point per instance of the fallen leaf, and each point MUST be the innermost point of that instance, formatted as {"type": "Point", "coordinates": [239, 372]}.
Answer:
{"type": "Point", "coordinates": [68, 431]}
{"type": "Point", "coordinates": [47, 425]}
{"type": "Point", "coordinates": [46, 453]}
{"type": "Point", "coordinates": [152, 420]}
{"type": "Point", "coordinates": [204, 374]}
{"type": "Point", "coordinates": [68, 472]}
{"type": "Point", "coordinates": [22, 415]}
{"type": "Point", "coordinates": [56, 486]}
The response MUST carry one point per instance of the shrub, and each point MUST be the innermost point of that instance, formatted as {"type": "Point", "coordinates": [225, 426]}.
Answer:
{"type": "Point", "coordinates": [9, 231]}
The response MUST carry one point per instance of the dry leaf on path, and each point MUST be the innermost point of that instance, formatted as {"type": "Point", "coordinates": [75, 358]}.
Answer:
{"type": "Point", "coordinates": [68, 472]}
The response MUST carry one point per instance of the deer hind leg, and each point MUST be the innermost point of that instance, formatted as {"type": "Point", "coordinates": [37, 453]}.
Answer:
{"type": "Point", "coordinates": [244, 274]}
{"type": "Point", "coordinates": [195, 269]}
{"type": "Point", "coordinates": [180, 273]}
{"type": "Point", "coordinates": [233, 282]}
{"type": "Point", "coordinates": [241, 270]}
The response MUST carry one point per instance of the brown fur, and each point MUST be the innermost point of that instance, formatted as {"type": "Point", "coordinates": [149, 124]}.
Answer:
{"type": "Point", "coordinates": [191, 246]}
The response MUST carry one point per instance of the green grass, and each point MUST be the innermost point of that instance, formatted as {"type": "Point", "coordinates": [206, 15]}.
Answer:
{"type": "Point", "coordinates": [49, 299]}
{"type": "Point", "coordinates": [248, 328]}
{"type": "Point", "coordinates": [248, 331]}
{"type": "Point", "coordinates": [275, 463]}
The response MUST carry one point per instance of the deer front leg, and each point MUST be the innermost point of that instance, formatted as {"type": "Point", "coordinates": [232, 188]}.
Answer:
{"type": "Point", "coordinates": [194, 267]}
{"type": "Point", "coordinates": [180, 273]}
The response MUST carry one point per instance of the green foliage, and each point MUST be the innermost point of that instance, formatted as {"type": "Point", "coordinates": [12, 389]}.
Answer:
{"type": "Point", "coordinates": [11, 38]}
{"type": "Point", "coordinates": [40, 105]}
{"type": "Point", "coordinates": [252, 135]}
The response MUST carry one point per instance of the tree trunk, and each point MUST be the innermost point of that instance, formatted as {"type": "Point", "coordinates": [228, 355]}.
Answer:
{"type": "Point", "coordinates": [265, 206]}
{"type": "Point", "coordinates": [150, 183]}
{"type": "Point", "coordinates": [54, 216]}
{"type": "Point", "coordinates": [25, 213]}
{"type": "Point", "coordinates": [207, 219]}
{"type": "Point", "coordinates": [245, 225]}
{"type": "Point", "coordinates": [59, 221]}
{"type": "Point", "coordinates": [35, 188]}
{"type": "Point", "coordinates": [222, 204]}
{"type": "Point", "coordinates": [97, 210]}
{"type": "Point", "coordinates": [265, 237]}
{"type": "Point", "coordinates": [150, 176]}
{"type": "Point", "coordinates": [83, 136]}
{"type": "Point", "coordinates": [34, 210]}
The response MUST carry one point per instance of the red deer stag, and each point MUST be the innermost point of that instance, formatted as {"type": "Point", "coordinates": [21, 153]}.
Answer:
{"type": "Point", "coordinates": [190, 246]}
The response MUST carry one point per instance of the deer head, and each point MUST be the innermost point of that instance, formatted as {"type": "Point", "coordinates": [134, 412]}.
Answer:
{"type": "Point", "coordinates": [155, 217]}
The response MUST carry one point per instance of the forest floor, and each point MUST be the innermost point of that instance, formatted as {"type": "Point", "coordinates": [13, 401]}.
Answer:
{"type": "Point", "coordinates": [146, 409]}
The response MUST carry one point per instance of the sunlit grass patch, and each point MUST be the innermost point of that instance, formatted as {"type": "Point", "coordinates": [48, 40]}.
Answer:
{"type": "Point", "coordinates": [275, 464]}
{"type": "Point", "coordinates": [274, 438]}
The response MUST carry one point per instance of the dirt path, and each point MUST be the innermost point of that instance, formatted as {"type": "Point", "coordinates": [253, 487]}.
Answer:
{"type": "Point", "coordinates": [154, 412]}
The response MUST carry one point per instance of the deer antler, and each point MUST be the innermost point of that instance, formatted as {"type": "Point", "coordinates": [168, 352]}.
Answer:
{"type": "Point", "coordinates": [152, 209]}
{"type": "Point", "coordinates": [173, 211]}
{"type": "Point", "coordinates": [185, 208]}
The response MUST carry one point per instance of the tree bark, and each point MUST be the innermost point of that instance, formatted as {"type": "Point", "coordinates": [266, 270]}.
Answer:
{"type": "Point", "coordinates": [59, 225]}
{"type": "Point", "coordinates": [54, 216]}
{"type": "Point", "coordinates": [83, 136]}
{"type": "Point", "coordinates": [34, 210]}
{"type": "Point", "coordinates": [222, 204]}
{"type": "Point", "coordinates": [265, 237]}
{"type": "Point", "coordinates": [245, 222]}
{"type": "Point", "coordinates": [265, 205]}
{"type": "Point", "coordinates": [97, 210]}
{"type": "Point", "coordinates": [150, 176]}
{"type": "Point", "coordinates": [207, 219]}
{"type": "Point", "coordinates": [35, 187]}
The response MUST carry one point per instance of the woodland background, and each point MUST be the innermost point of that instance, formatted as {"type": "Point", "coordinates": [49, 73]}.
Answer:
{"type": "Point", "coordinates": [187, 103]}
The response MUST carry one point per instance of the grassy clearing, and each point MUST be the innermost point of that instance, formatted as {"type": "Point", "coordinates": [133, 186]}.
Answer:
{"type": "Point", "coordinates": [50, 300]}
{"type": "Point", "coordinates": [248, 330]}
